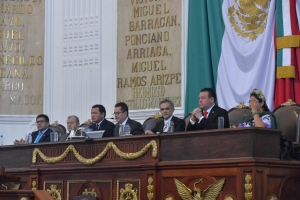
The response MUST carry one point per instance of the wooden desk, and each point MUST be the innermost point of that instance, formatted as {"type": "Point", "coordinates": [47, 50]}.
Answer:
{"type": "Point", "coordinates": [241, 156]}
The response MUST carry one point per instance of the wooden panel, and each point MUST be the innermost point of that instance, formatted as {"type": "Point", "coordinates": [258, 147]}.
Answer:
{"type": "Point", "coordinates": [215, 144]}
{"type": "Point", "coordinates": [233, 154]}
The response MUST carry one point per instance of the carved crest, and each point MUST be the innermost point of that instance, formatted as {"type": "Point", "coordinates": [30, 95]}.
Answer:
{"type": "Point", "coordinates": [54, 192]}
{"type": "Point", "coordinates": [249, 17]}
{"type": "Point", "coordinates": [289, 103]}
{"type": "Point", "coordinates": [210, 193]}
{"type": "Point", "coordinates": [128, 193]}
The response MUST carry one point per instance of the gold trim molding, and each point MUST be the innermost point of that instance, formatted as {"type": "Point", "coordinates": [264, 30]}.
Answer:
{"type": "Point", "coordinates": [33, 185]}
{"type": "Point", "coordinates": [80, 158]}
{"type": "Point", "coordinates": [248, 187]}
{"type": "Point", "coordinates": [150, 188]}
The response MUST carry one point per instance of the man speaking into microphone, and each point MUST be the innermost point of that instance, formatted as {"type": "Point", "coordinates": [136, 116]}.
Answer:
{"type": "Point", "coordinates": [206, 117]}
{"type": "Point", "coordinates": [98, 114]}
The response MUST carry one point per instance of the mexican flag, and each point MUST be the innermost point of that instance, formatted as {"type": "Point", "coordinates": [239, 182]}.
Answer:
{"type": "Point", "coordinates": [232, 48]}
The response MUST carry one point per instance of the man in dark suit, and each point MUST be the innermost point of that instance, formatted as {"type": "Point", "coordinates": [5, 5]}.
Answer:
{"type": "Point", "coordinates": [121, 116]}
{"type": "Point", "coordinates": [167, 109]}
{"type": "Point", "coordinates": [206, 117]}
{"type": "Point", "coordinates": [98, 114]}
{"type": "Point", "coordinates": [72, 124]}
{"type": "Point", "coordinates": [43, 132]}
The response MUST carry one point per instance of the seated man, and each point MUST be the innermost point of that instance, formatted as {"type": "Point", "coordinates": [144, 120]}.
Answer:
{"type": "Point", "coordinates": [167, 109]}
{"type": "Point", "coordinates": [72, 124]}
{"type": "Point", "coordinates": [98, 114]}
{"type": "Point", "coordinates": [121, 116]}
{"type": "Point", "coordinates": [206, 117]}
{"type": "Point", "coordinates": [43, 132]}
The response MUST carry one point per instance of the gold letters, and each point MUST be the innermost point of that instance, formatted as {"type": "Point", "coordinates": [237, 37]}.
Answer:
{"type": "Point", "coordinates": [153, 30]}
{"type": "Point", "coordinates": [21, 60]}
{"type": "Point", "coordinates": [16, 9]}
{"type": "Point", "coordinates": [26, 100]}
{"type": "Point", "coordinates": [153, 24]}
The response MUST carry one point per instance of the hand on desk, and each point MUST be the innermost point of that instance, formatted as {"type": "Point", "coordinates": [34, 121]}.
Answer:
{"type": "Point", "coordinates": [21, 141]}
{"type": "Point", "coordinates": [148, 132]}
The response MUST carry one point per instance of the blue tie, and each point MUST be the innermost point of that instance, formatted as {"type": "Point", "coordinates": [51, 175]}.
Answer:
{"type": "Point", "coordinates": [38, 137]}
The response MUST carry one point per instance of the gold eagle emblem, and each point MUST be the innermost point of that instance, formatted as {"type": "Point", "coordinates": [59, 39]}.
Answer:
{"type": "Point", "coordinates": [250, 18]}
{"type": "Point", "coordinates": [210, 193]}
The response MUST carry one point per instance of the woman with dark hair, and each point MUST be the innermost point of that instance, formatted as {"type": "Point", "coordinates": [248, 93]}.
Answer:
{"type": "Point", "coordinates": [261, 115]}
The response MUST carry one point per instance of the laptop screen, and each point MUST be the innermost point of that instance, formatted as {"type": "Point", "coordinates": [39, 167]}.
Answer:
{"type": "Point", "coordinates": [95, 134]}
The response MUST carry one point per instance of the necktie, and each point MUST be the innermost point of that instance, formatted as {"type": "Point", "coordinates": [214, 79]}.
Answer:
{"type": "Point", "coordinates": [205, 114]}
{"type": "Point", "coordinates": [120, 130]}
{"type": "Point", "coordinates": [97, 127]}
{"type": "Point", "coordinates": [38, 137]}
{"type": "Point", "coordinates": [166, 127]}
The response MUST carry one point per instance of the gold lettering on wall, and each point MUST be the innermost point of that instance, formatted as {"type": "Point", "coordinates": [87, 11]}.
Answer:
{"type": "Point", "coordinates": [149, 52]}
{"type": "Point", "coordinates": [22, 56]}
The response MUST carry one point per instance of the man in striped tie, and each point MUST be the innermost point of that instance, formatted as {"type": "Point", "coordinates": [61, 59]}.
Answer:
{"type": "Point", "coordinates": [43, 132]}
{"type": "Point", "coordinates": [167, 109]}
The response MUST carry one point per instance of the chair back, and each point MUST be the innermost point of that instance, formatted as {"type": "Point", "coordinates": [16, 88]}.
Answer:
{"type": "Point", "coordinates": [237, 113]}
{"type": "Point", "coordinates": [86, 124]}
{"type": "Point", "coordinates": [287, 115]}
{"type": "Point", "coordinates": [56, 127]}
{"type": "Point", "coordinates": [187, 120]}
{"type": "Point", "coordinates": [150, 123]}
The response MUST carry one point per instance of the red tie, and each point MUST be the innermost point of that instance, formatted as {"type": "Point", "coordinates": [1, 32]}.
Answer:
{"type": "Point", "coordinates": [205, 114]}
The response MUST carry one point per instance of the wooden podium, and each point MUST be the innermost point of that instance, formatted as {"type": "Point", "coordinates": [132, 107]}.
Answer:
{"type": "Point", "coordinates": [165, 166]}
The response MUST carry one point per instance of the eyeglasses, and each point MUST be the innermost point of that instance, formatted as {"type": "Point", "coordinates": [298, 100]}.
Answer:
{"type": "Point", "coordinates": [40, 121]}
{"type": "Point", "coordinates": [116, 113]}
{"type": "Point", "coordinates": [252, 101]}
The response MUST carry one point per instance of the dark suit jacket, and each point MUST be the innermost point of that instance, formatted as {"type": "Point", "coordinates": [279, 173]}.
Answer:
{"type": "Point", "coordinates": [179, 125]}
{"type": "Point", "coordinates": [45, 137]}
{"type": "Point", "coordinates": [136, 128]}
{"type": "Point", "coordinates": [105, 125]}
{"type": "Point", "coordinates": [212, 121]}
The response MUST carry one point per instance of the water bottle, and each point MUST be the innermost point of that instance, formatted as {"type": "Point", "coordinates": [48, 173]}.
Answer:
{"type": "Point", "coordinates": [29, 139]}
{"type": "Point", "coordinates": [171, 127]}
{"type": "Point", "coordinates": [55, 136]}
{"type": "Point", "coordinates": [1, 140]}
{"type": "Point", "coordinates": [127, 130]}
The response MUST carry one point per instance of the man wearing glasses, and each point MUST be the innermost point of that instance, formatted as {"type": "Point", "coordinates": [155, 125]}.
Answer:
{"type": "Point", "coordinates": [98, 114]}
{"type": "Point", "coordinates": [121, 116]}
{"type": "Point", "coordinates": [43, 132]}
{"type": "Point", "coordinates": [167, 109]}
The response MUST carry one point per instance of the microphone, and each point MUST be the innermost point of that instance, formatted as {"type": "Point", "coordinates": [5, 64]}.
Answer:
{"type": "Point", "coordinates": [109, 118]}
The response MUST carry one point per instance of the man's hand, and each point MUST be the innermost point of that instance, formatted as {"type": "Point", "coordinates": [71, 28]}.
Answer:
{"type": "Point", "coordinates": [196, 114]}
{"type": "Point", "coordinates": [19, 141]}
{"type": "Point", "coordinates": [148, 132]}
